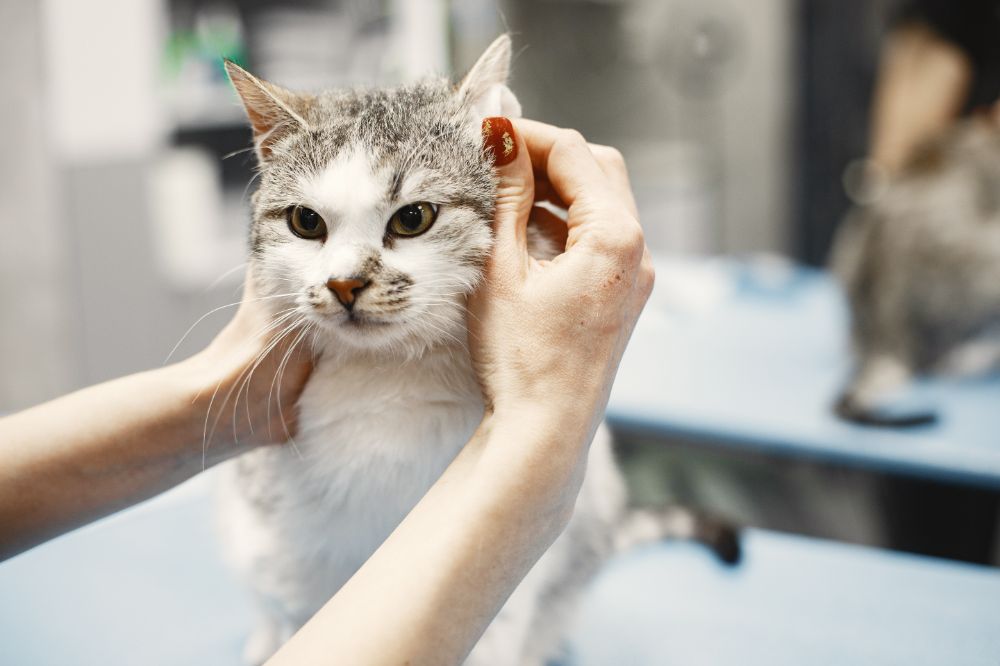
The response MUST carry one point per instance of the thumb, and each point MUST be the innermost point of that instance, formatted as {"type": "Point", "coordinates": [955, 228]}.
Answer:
{"type": "Point", "coordinates": [515, 191]}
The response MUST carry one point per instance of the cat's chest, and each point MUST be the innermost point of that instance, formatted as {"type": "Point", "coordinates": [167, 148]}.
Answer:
{"type": "Point", "coordinates": [371, 440]}
{"type": "Point", "coordinates": [380, 424]}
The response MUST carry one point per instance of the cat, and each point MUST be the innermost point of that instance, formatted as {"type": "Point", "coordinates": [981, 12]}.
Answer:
{"type": "Point", "coordinates": [372, 217]}
{"type": "Point", "coordinates": [921, 270]}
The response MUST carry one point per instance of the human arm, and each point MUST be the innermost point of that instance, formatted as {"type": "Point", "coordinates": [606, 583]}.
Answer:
{"type": "Point", "coordinates": [546, 338]}
{"type": "Point", "coordinates": [84, 455]}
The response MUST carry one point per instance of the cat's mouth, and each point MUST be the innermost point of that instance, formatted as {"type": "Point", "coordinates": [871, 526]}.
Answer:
{"type": "Point", "coordinates": [362, 321]}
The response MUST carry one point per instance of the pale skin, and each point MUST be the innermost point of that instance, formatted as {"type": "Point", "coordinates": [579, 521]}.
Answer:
{"type": "Point", "coordinates": [546, 339]}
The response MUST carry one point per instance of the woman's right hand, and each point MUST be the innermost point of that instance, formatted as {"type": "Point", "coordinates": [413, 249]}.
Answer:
{"type": "Point", "coordinates": [546, 337]}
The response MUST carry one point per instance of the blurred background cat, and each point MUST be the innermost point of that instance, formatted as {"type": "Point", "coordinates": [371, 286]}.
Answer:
{"type": "Point", "coordinates": [921, 267]}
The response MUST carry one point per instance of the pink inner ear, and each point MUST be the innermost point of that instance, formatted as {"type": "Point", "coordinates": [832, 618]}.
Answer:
{"type": "Point", "coordinates": [265, 134]}
{"type": "Point", "coordinates": [509, 106]}
{"type": "Point", "coordinates": [269, 108]}
{"type": "Point", "coordinates": [266, 129]}
{"type": "Point", "coordinates": [268, 120]}
{"type": "Point", "coordinates": [262, 123]}
{"type": "Point", "coordinates": [497, 100]}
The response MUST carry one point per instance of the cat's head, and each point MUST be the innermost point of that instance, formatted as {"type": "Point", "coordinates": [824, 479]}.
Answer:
{"type": "Point", "coordinates": [372, 219]}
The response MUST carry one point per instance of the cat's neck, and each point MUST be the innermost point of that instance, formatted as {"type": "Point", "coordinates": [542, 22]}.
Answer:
{"type": "Point", "coordinates": [441, 374]}
{"type": "Point", "coordinates": [447, 354]}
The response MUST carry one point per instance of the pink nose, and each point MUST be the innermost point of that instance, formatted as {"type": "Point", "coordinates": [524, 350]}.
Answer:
{"type": "Point", "coordinates": [346, 289]}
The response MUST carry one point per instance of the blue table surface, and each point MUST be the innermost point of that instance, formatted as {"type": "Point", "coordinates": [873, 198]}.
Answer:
{"type": "Point", "coordinates": [752, 354]}
{"type": "Point", "coordinates": [146, 587]}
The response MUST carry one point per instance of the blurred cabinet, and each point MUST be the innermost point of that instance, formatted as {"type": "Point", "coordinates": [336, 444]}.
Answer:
{"type": "Point", "coordinates": [36, 294]}
{"type": "Point", "coordinates": [697, 93]}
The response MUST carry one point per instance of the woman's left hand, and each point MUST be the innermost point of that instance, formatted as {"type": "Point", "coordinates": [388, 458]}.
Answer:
{"type": "Point", "coordinates": [250, 378]}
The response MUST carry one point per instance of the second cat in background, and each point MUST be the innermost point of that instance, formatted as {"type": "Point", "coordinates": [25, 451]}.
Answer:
{"type": "Point", "coordinates": [921, 267]}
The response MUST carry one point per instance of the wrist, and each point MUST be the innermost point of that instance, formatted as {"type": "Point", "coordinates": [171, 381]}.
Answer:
{"type": "Point", "coordinates": [535, 453]}
{"type": "Point", "coordinates": [559, 412]}
{"type": "Point", "coordinates": [560, 419]}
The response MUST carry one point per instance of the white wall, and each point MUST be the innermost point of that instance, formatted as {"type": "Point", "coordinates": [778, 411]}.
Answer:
{"type": "Point", "coordinates": [719, 111]}
{"type": "Point", "coordinates": [35, 305]}
{"type": "Point", "coordinates": [757, 127]}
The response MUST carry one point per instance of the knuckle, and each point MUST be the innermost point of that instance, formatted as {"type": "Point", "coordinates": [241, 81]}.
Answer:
{"type": "Point", "coordinates": [624, 241]}
{"type": "Point", "coordinates": [647, 276]}
{"type": "Point", "coordinates": [571, 137]}
{"type": "Point", "coordinates": [612, 157]}
{"type": "Point", "coordinates": [632, 237]}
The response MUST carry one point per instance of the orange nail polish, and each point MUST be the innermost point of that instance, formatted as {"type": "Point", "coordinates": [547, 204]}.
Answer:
{"type": "Point", "coordinates": [498, 137]}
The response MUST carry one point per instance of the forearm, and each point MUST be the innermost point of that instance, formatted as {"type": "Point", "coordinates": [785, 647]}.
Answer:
{"type": "Point", "coordinates": [432, 588]}
{"type": "Point", "coordinates": [923, 82]}
{"type": "Point", "coordinates": [87, 454]}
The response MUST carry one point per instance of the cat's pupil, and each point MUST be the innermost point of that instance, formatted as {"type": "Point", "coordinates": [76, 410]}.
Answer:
{"type": "Point", "coordinates": [308, 219]}
{"type": "Point", "coordinates": [410, 217]}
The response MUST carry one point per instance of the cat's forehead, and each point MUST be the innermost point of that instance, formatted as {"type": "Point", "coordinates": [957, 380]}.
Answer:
{"type": "Point", "coordinates": [369, 148]}
{"type": "Point", "coordinates": [417, 124]}
{"type": "Point", "coordinates": [388, 120]}
{"type": "Point", "coordinates": [350, 183]}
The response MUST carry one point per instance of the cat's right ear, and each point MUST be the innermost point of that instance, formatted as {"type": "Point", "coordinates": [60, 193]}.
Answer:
{"type": "Point", "coordinates": [484, 89]}
{"type": "Point", "coordinates": [272, 110]}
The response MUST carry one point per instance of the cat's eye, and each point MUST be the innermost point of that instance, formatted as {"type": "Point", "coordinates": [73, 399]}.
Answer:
{"type": "Point", "coordinates": [413, 219]}
{"type": "Point", "coordinates": [306, 223]}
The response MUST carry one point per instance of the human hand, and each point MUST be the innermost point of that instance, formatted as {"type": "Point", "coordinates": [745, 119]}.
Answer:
{"type": "Point", "coordinates": [547, 336]}
{"type": "Point", "coordinates": [249, 379]}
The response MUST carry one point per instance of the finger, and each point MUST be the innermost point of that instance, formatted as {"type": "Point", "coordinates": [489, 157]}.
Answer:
{"type": "Point", "coordinates": [249, 314]}
{"type": "Point", "coordinates": [612, 163]}
{"type": "Point", "coordinates": [249, 285]}
{"type": "Point", "coordinates": [515, 193]}
{"type": "Point", "coordinates": [565, 160]}
{"type": "Point", "coordinates": [545, 192]}
{"type": "Point", "coordinates": [598, 215]}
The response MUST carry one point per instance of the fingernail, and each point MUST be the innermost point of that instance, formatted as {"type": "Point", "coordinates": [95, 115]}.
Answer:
{"type": "Point", "coordinates": [498, 137]}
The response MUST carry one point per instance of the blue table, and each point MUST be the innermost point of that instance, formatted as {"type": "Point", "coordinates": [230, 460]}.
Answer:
{"type": "Point", "coordinates": [794, 600]}
{"type": "Point", "coordinates": [146, 587]}
{"type": "Point", "coordinates": [752, 355]}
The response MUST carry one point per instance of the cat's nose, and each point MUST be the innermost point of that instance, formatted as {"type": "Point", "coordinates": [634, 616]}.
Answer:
{"type": "Point", "coordinates": [347, 289]}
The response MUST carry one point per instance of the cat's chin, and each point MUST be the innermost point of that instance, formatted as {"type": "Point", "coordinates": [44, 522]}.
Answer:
{"type": "Point", "coordinates": [364, 324]}
{"type": "Point", "coordinates": [371, 335]}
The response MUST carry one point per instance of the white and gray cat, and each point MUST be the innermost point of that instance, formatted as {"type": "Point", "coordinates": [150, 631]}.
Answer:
{"type": "Point", "coordinates": [921, 267]}
{"type": "Point", "coordinates": [371, 224]}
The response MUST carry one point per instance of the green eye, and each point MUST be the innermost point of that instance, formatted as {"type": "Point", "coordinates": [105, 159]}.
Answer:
{"type": "Point", "coordinates": [413, 219]}
{"type": "Point", "coordinates": [306, 223]}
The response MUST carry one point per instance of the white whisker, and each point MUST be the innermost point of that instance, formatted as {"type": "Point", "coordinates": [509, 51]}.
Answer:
{"type": "Point", "coordinates": [213, 311]}
{"type": "Point", "coordinates": [208, 412]}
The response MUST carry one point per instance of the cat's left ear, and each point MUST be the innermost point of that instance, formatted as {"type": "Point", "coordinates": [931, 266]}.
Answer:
{"type": "Point", "coordinates": [272, 110]}
{"type": "Point", "coordinates": [484, 88]}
